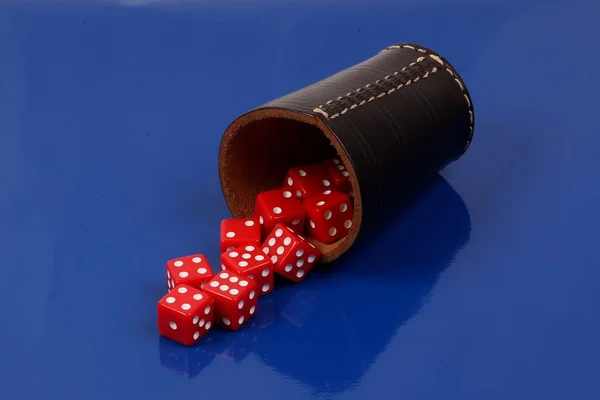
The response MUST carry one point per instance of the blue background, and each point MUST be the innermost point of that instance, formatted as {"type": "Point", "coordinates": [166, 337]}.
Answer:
{"type": "Point", "coordinates": [487, 286]}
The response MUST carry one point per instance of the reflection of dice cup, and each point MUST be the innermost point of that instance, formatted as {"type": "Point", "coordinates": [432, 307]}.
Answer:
{"type": "Point", "coordinates": [394, 119]}
{"type": "Point", "coordinates": [330, 347]}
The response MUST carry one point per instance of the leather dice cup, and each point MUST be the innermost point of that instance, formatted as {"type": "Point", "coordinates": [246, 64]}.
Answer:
{"type": "Point", "coordinates": [395, 119]}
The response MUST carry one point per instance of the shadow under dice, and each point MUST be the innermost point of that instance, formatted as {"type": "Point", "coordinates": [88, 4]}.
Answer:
{"type": "Point", "coordinates": [235, 299]}
{"type": "Point", "coordinates": [299, 308]}
{"type": "Point", "coordinates": [194, 271]}
{"type": "Point", "coordinates": [252, 263]}
{"type": "Point", "coordinates": [185, 315]}
{"type": "Point", "coordinates": [292, 255]}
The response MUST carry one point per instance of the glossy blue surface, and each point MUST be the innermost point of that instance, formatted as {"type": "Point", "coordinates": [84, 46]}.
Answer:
{"type": "Point", "coordinates": [486, 287]}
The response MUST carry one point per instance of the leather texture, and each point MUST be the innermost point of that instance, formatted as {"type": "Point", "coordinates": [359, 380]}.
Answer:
{"type": "Point", "coordinates": [401, 116]}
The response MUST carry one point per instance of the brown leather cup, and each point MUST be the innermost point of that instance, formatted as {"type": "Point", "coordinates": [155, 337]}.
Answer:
{"type": "Point", "coordinates": [394, 119]}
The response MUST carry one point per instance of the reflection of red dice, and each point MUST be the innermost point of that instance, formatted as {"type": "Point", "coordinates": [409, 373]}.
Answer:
{"type": "Point", "coordinates": [338, 175]}
{"type": "Point", "coordinates": [299, 308]}
{"type": "Point", "coordinates": [237, 347]}
{"type": "Point", "coordinates": [266, 315]}
{"type": "Point", "coordinates": [278, 206]}
{"type": "Point", "coordinates": [329, 216]}
{"type": "Point", "coordinates": [292, 254]}
{"type": "Point", "coordinates": [235, 299]}
{"type": "Point", "coordinates": [251, 262]}
{"type": "Point", "coordinates": [188, 362]}
{"type": "Point", "coordinates": [191, 270]}
{"type": "Point", "coordinates": [239, 231]}
{"type": "Point", "coordinates": [185, 314]}
{"type": "Point", "coordinates": [308, 180]}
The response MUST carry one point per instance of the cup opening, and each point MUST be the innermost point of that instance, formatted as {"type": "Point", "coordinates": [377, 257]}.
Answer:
{"type": "Point", "coordinates": [259, 148]}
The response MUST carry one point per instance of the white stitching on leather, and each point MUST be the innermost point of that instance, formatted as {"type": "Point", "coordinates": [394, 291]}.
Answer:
{"type": "Point", "coordinates": [420, 59]}
{"type": "Point", "coordinates": [380, 95]}
{"type": "Point", "coordinates": [458, 81]}
{"type": "Point", "coordinates": [320, 111]}
{"type": "Point", "coordinates": [344, 111]}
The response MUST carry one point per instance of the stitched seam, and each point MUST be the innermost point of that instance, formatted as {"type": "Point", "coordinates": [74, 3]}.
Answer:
{"type": "Point", "coordinates": [380, 88]}
{"type": "Point", "coordinates": [321, 108]}
{"type": "Point", "coordinates": [325, 108]}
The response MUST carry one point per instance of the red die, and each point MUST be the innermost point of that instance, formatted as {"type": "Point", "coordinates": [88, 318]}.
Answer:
{"type": "Point", "coordinates": [191, 270]}
{"type": "Point", "coordinates": [292, 255]}
{"type": "Point", "coordinates": [278, 206]}
{"type": "Point", "coordinates": [307, 180]}
{"type": "Point", "coordinates": [235, 299]}
{"type": "Point", "coordinates": [338, 175]}
{"type": "Point", "coordinates": [185, 314]}
{"type": "Point", "coordinates": [239, 231]}
{"type": "Point", "coordinates": [251, 262]}
{"type": "Point", "coordinates": [329, 216]}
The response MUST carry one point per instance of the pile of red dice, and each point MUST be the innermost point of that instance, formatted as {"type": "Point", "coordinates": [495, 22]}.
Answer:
{"type": "Point", "coordinates": [314, 200]}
